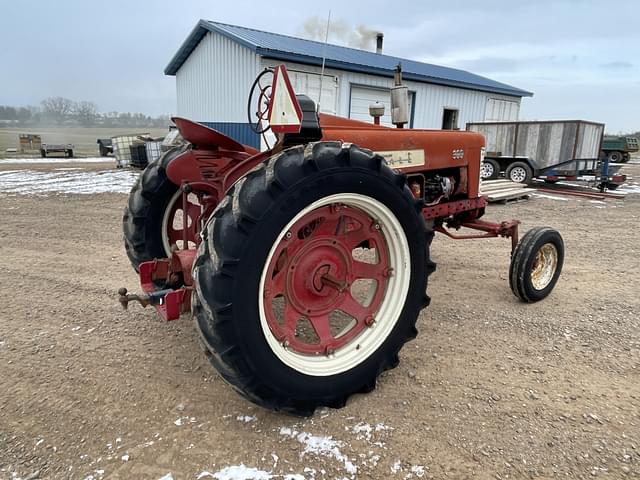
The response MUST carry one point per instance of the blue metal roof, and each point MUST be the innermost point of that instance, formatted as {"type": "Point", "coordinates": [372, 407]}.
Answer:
{"type": "Point", "coordinates": [286, 48]}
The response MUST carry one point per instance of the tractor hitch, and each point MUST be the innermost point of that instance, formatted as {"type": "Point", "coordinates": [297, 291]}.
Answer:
{"type": "Point", "coordinates": [166, 284]}
{"type": "Point", "coordinates": [154, 298]}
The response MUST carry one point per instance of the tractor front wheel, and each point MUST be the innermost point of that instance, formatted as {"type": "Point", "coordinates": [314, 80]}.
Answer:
{"type": "Point", "coordinates": [536, 264]}
{"type": "Point", "coordinates": [310, 277]}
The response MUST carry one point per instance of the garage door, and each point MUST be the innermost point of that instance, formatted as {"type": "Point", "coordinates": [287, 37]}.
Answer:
{"type": "Point", "coordinates": [309, 84]}
{"type": "Point", "coordinates": [362, 97]}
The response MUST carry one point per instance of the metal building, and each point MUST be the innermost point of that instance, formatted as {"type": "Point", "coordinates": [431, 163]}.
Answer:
{"type": "Point", "coordinates": [217, 63]}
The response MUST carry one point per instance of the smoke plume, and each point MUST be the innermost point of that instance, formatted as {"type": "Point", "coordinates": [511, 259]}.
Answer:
{"type": "Point", "coordinates": [340, 31]}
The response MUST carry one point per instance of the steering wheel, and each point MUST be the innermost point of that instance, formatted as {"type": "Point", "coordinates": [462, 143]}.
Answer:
{"type": "Point", "coordinates": [262, 89]}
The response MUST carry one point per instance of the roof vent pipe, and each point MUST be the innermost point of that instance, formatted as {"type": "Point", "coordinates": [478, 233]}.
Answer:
{"type": "Point", "coordinates": [379, 39]}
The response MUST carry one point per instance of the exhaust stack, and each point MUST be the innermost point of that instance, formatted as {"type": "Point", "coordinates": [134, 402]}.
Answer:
{"type": "Point", "coordinates": [379, 40]}
{"type": "Point", "coordinates": [399, 100]}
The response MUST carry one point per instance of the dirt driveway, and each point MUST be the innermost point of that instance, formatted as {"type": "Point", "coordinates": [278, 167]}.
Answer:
{"type": "Point", "coordinates": [491, 388]}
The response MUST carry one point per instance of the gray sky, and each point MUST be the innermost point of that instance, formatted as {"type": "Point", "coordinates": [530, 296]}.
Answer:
{"type": "Point", "coordinates": [579, 57]}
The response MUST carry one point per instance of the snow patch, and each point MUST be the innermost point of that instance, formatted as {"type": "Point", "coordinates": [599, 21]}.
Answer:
{"type": "Point", "coordinates": [320, 446]}
{"type": "Point", "coordinates": [183, 420]}
{"type": "Point", "coordinates": [628, 188]}
{"type": "Point", "coordinates": [550, 197]}
{"type": "Point", "coordinates": [365, 431]}
{"type": "Point", "coordinates": [86, 182]}
{"type": "Point", "coordinates": [246, 418]}
{"type": "Point", "coordinates": [35, 160]}
{"type": "Point", "coordinates": [417, 470]}
{"type": "Point", "coordinates": [238, 472]}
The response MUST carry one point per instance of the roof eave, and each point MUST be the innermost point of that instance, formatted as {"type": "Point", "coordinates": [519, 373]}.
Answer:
{"type": "Point", "coordinates": [197, 34]}
{"type": "Point", "coordinates": [309, 60]}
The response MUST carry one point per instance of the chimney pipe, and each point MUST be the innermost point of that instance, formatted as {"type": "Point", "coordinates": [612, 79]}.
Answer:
{"type": "Point", "coordinates": [379, 39]}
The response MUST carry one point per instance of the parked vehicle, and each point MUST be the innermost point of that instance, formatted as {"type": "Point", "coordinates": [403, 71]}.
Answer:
{"type": "Point", "coordinates": [105, 145]}
{"type": "Point", "coordinates": [619, 149]}
{"type": "Point", "coordinates": [306, 266]}
{"type": "Point", "coordinates": [48, 148]}
{"type": "Point", "coordinates": [524, 150]}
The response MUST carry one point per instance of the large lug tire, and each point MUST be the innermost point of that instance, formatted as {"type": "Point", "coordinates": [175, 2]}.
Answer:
{"type": "Point", "coordinates": [615, 157]}
{"type": "Point", "coordinates": [279, 258]}
{"type": "Point", "coordinates": [536, 264]}
{"type": "Point", "coordinates": [519, 172]}
{"type": "Point", "coordinates": [144, 216]}
{"type": "Point", "coordinates": [489, 169]}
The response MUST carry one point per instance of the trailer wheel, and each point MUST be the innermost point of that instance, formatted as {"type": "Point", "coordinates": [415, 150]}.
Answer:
{"type": "Point", "coordinates": [148, 218]}
{"type": "Point", "coordinates": [615, 157]}
{"type": "Point", "coordinates": [536, 264]}
{"type": "Point", "coordinates": [489, 169]}
{"type": "Point", "coordinates": [519, 172]}
{"type": "Point", "coordinates": [310, 277]}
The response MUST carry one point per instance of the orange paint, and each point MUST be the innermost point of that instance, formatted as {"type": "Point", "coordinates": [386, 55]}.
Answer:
{"type": "Point", "coordinates": [438, 145]}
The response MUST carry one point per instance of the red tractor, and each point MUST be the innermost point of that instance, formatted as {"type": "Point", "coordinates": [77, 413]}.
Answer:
{"type": "Point", "coordinates": [305, 266]}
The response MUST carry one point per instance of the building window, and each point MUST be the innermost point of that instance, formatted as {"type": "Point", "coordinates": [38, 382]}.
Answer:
{"type": "Point", "coordinates": [450, 119]}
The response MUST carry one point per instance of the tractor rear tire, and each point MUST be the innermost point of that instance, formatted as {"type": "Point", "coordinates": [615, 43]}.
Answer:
{"type": "Point", "coordinates": [143, 216]}
{"type": "Point", "coordinates": [536, 264]}
{"type": "Point", "coordinates": [277, 230]}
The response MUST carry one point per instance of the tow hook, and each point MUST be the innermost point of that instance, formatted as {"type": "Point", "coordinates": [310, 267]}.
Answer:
{"type": "Point", "coordinates": [155, 298]}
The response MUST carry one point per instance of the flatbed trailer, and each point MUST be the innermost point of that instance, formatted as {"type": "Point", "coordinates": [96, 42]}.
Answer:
{"type": "Point", "coordinates": [48, 148]}
{"type": "Point", "coordinates": [557, 149]}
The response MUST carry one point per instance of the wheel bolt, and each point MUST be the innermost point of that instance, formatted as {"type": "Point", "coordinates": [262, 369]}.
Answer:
{"type": "Point", "coordinates": [287, 235]}
{"type": "Point", "coordinates": [329, 351]}
{"type": "Point", "coordinates": [369, 321]}
{"type": "Point", "coordinates": [285, 344]}
{"type": "Point", "coordinates": [388, 272]}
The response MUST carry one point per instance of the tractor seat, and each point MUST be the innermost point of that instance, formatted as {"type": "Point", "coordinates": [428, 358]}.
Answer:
{"type": "Point", "coordinates": [310, 129]}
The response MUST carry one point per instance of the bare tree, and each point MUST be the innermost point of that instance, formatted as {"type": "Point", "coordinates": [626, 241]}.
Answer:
{"type": "Point", "coordinates": [86, 112]}
{"type": "Point", "coordinates": [57, 108]}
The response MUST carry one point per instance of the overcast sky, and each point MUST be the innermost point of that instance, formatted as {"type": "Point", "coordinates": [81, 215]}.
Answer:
{"type": "Point", "coordinates": [579, 57]}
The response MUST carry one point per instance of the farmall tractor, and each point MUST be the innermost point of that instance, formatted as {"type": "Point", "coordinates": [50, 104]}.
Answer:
{"type": "Point", "coordinates": [305, 266]}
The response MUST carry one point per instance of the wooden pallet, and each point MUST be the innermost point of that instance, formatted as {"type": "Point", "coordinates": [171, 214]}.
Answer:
{"type": "Point", "coordinates": [504, 190]}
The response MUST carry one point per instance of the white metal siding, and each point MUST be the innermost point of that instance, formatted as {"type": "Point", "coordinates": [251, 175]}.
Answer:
{"type": "Point", "coordinates": [502, 110]}
{"type": "Point", "coordinates": [362, 97]}
{"type": "Point", "coordinates": [430, 99]}
{"type": "Point", "coordinates": [213, 83]}
{"type": "Point", "coordinates": [309, 84]}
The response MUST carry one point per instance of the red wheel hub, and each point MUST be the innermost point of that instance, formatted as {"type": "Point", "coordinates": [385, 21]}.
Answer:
{"type": "Point", "coordinates": [311, 274]}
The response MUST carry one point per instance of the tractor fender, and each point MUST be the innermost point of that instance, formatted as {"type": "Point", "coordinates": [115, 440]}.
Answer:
{"type": "Point", "coordinates": [209, 155]}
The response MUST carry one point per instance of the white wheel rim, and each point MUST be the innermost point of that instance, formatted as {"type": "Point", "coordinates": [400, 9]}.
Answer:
{"type": "Point", "coordinates": [518, 174]}
{"type": "Point", "coordinates": [165, 221]}
{"type": "Point", "coordinates": [486, 170]}
{"type": "Point", "coordinates": [544, 266]}
{"type": "Point", "coordinates": [364, 345]}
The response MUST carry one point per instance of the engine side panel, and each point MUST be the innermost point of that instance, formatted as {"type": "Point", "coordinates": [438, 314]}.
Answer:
{"type": "Point", "coordinates": [411, 150]}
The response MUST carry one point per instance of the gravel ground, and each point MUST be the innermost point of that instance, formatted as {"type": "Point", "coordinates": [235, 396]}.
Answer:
{"type": "Point", "coordinates": [490, 389]}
